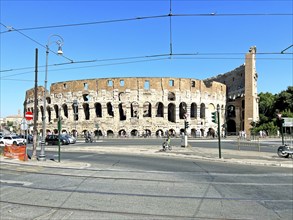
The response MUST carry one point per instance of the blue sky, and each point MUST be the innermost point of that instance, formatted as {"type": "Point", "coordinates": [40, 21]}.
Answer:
{"type": "Point", "coordinates": [218, 33]}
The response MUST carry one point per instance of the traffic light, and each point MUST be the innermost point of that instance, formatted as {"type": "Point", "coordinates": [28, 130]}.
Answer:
{"type": "Point", "coordinates": [214, 117]}
{"type": "Point", "coordinates": [280, 122]}
{"type": "Point", "coordinates": [186, 124]}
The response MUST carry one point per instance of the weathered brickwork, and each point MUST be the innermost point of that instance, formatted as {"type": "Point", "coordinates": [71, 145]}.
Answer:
{"type": "Point", "coordinates": [148, 106]}
{"type": "Point", "coordinates": [242, 98]}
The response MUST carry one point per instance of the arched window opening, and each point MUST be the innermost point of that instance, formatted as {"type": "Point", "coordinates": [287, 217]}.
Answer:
{"type": "Point", "coordinates": [231, 111]}
{"type": "Point", "coordinates": [172, 112]}
{"type": "Point", "coordinates": [147, 109]}
{"type": "Point", "coordinates": [110, 109]}
{"type": "Point", "coordinates": [48, 100]}
{"type": "Point", "coordinates": [134, 133]}
{"type": "Point", "coordinates": [134, 110]}
{"type": "Point", "coordinates": [122, 112]}
{"type": "Point", "coordinates": [49, 113]}
{"type": "Point", "coordinates": [193, 110]}
{"type": "Point", "coordinates": [231, 127]}
{"type": "Point", "coordinates": [86, 97]}
{"type": "Point", "coordinates": [86, 110]}
{"type": "Point", "coordinates": [182, 110]}
{"type": "Point", "coordinates": [110, 133]}
{"type": "Point", "coordinates": [171, 96]}
{"type": "Point", "coordinates": [98, 110]}
{"type": "Point", "coordinates": [56, 109]}
{"type": "Point", "coordinates": [122, 133]}
{"type": "Point", "coordinates": [42, 112]}
{"type": "Point", "coordinates": [121, 96]}
{"type": "Point", "coordinates": [65, 110]}
{"type": "Point", "coordinates": [159, 133]}
{"type": "Point", "coordinates": [202, 110]}
{"type": "Point", "coordinates": [75, 110]}
{"type": "Point", "coordinates": [160, 109]}
{"type": "Point", "coordinates": [147, 133]}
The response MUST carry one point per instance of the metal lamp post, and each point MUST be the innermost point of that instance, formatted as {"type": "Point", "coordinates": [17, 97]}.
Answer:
{"type": "Point", "coordinates": [59, 42]}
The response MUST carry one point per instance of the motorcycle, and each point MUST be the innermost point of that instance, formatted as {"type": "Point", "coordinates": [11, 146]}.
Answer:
{"type": "Point", "coordinates": [166, 145]}
{"type": "Point", "coordinates": [285, 151]}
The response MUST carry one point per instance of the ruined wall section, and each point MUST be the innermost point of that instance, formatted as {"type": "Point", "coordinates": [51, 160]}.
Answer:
{"type": "Point", "coordinates": [121, 93]}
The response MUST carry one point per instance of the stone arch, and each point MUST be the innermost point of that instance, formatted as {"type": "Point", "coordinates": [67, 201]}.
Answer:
{"type": "Point", "coordinates": [172, 112]}
{"type": "Point", "coordinates": [193, 132]}
{"type": "Point", "coordinates": [48, 100]}
{"type": "Point", "coordinates": [231, 111]}
{"type": "Point", "coordinates": [202, 110]}
{"type": "Point", "coordinates": [172, 132]}
{"type": "Point", "coordinates": [98, 110]}
{"type": "Point", "coordinates": [49, 113]}
{"type": "Point", "coordinates": [122, 112]}
{"type": "Point", "coordinates": [110, 133]}
{"type": "Point", "coordinates": [75, 111]}
{"type": "Point", "coordinates": [122, 133]}
{"type": "Point", "coordinates": [231, 127]}
{"type": "Point", "coordinates": [65, 110]}
{"type": "Point", "coordinates": [147, 109]}
{"type": "Point", "coordinates": [159, 133]}
{"type": "Point", "coordinates": [160, 109]}
{"type": "Point", "coordinates": [134, 133]}
{"type": "Point", "coordinates": [171, 96]}
{"type": "Point", "coordinates": [134, 108]}
{"type": "Point", "coordinates": [182, 130]}
{"type": "Point", "coordinates": [86, 110]}
{"type": "Point", "coordinates": [182, 110]}
{"type": "Point", "coordinates": [193, 110]}
{"type": "Point", "coordinates": [56, 109]}
{"type": "Point", "coordinates": [110, 109]}
{"type": "Point", "coordinates": [42, 112]}
{"type": "Point", "coordinates": [147, 133]}
{"type": "Point", "coordinates": [98, 133]}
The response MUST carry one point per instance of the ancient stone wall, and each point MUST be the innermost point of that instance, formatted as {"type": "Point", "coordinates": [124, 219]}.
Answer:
{"type": "Point", "coordinates": [132, 106]}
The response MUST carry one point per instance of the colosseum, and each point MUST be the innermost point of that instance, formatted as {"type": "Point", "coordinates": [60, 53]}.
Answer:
{"type": "Point", "coordinates": [150, 106]}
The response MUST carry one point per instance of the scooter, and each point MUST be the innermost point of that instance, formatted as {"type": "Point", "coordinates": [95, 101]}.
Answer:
{"type": "Point", "coordinates": [166, 145]}
{"type": "Point", "coordinates": [285, 151]}
{"type": "Point", "coordinates": [88, 139]}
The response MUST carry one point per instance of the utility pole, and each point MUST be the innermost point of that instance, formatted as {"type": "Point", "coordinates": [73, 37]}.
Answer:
{"type": "Point", "coordinates": [35, 137]}
{"type": "Point", "coordinates": [219, 131]}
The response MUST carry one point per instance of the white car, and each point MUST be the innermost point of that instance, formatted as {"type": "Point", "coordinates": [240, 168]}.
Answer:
{"type": "Point", "coordinates": [12, 140]}
{"type": "Point", "coordinates": [72, 140]}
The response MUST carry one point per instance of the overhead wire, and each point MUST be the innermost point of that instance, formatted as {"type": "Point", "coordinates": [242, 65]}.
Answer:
{"type": "Point", "coordinates": [138, 57]}
{"type": "Point", "coordinates": [143, 18]}
{"type": "Point", "coordinates": [44, 46]}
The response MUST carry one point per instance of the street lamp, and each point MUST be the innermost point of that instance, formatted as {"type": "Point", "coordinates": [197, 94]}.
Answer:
{"type": "Point", "coordinates": [59, 42]}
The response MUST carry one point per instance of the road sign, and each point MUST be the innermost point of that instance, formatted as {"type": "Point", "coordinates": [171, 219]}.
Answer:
{"type": "Point", "coordinates": [23, 127]}
{"type": "Point", "coordinates": [29, 116]}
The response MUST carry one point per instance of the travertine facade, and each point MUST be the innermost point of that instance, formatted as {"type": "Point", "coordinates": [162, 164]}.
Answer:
{"type": "Point", "coordinates": [149, 106]}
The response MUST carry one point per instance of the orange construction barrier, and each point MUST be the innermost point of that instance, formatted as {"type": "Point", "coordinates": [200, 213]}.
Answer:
{"type": "Point", "coordinates": [16, 152]}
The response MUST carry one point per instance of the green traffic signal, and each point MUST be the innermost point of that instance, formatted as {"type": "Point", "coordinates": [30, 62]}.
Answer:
{"type": "Point", "coordinates": [214, 117]}
{"type": "Point", "coordinates": [186, 124]}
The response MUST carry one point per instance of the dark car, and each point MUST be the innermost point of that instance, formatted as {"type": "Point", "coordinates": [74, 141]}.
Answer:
{"type": "Point", "coordinates": [53, 140]}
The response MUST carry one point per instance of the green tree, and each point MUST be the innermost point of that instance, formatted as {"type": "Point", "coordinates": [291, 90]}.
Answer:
{"type": "Point", "coordinates": [267, 104]}
{"type": "Point", "coordinates": [284, 100]}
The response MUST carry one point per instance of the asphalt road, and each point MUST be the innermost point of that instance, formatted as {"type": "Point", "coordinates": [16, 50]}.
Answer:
{"type": "Point", "coordinates": [127, 186]}
{"type": "Point", "coordinates": [232, 144]}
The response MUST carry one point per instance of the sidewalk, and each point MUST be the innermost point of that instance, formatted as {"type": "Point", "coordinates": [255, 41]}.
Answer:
{"type": "Point", "coordinates": [209, 154]}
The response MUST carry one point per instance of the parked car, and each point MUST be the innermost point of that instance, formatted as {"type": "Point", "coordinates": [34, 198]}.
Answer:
{"type": "Point", "coordinates": [12, 140]}
{"type": "Point", "coordinates": [53, 139]}
{"type": "Point", "coordinates": [29, 138]}
{"type": "Point", "coordinates": [72, 140]}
